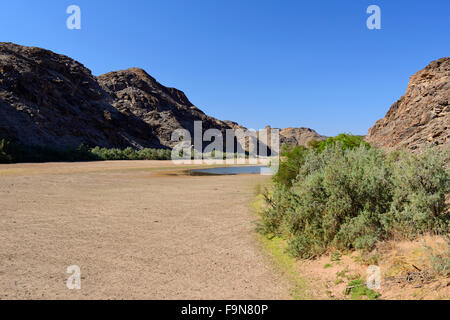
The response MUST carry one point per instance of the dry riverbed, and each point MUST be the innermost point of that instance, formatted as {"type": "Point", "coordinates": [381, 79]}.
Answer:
{"type": "Point", "coordinates": [137, 230]}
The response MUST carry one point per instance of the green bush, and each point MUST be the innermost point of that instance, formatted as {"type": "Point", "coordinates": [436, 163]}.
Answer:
{"type": "Point", "coordinates": [351, 197]}
{"type": "Point", "coordinates": [12, 152]}
{"type": "Point", "coordinates": [357, 290]}
{"type": "Point", "coordinates": [441, 262]}
{"type": "Point", "coordinates": [347, 141]}
{"type": "Point", "coordinates": [294, 157]}
{"type": "Point", "coordinates": [420, 185]}
{"type": "Point", "coordinates": [5, 151]}
{"type": "Point", "coordinates": [131, 154]}
{"type": "Point", "coordinates": [16, 153]}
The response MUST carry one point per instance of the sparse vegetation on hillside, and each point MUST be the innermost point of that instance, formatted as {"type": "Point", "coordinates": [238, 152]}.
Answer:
{"type": "Point", "coordinates": [342, 193]}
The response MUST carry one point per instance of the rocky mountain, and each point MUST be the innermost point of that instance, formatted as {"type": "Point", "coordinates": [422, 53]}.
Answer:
{"type": "Point", "coordinates": [299, 136]}
{"type": "Point", "coordinates": [137, 94]}
{"type": "Point", "coordinates": [52, 100]}
{"type": "Point", "coordinates": [422, 116]}
{"type": "Point", "coordinates": [294, 136]}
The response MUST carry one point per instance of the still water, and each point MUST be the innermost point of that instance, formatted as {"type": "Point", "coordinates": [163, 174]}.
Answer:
{"type": "Point", "coordinates": [232, 170]}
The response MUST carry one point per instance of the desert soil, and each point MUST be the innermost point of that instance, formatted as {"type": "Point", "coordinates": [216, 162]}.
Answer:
{"type": "Point", "coordinates": [137, 230]}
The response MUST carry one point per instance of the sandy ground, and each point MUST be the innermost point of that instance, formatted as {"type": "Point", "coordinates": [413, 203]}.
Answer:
{"type": "Point", "coordinates": [328, 277]}
{"type": "Point", "coordinates": [135, 231]}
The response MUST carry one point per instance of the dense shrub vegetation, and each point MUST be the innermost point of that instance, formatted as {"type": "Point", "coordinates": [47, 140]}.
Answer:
{"type": "Point", "coordinates": [342, 193]}
{"type": "Point", "coordinates": [14, 153]}
{"type": "Point", "coordinates": [131, 154]}
{"type": "Point", "coordinates": [294, 157]}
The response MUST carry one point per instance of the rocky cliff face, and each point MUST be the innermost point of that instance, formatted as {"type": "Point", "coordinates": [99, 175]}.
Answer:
{"type": "Point", "coordinates": [52, 100]}
{"type": "Point", "coordinates": [422, 116]}
{"type": "Point", "coordinates": [135, 93]}
{"type": "Point", "coordinates": [299, 136]}
{"type": "Point", "coordinates": [295, 136]}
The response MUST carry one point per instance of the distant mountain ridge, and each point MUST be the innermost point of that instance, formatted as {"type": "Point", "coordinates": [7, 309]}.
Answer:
{"type": "Point", "coordinates": [299, 136]}
{"type": "Point", "coordinates": [50, 99]}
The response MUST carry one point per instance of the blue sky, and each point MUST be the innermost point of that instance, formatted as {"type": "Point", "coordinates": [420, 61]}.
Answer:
{"type": "Point", "coordinates": [284, 63]}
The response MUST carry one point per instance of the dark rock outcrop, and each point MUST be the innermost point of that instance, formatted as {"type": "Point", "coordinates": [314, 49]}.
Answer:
{"type": "Point", "coordinates": [422, 116]}
{"type": "Point", "coordinates": [49, 99]}
{"type": "Point", "coordinates": [135, 93]}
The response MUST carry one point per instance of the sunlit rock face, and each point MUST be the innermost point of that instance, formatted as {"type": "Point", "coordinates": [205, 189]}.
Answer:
{"type": "Point", "coordinates": [422, 116]}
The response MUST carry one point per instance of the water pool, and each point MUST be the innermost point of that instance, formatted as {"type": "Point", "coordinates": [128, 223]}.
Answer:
{"type": "Point", "coordinates": [232, 170]}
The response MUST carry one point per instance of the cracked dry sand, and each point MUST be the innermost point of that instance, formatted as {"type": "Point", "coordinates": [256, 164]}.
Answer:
{"type": "Point", "coordinates": [135, 233]}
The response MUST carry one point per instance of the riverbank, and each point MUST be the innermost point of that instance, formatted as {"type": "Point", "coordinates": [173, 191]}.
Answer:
{"type": "Point", "coordinates": [407, 269]}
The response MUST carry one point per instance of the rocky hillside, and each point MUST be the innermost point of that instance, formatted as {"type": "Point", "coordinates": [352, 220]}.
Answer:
{"type": "Point", "coordinates": [422, 116]}
{"type": "Point", "coordinates": [52, 100]}
{"type": "Point", "coordinates": [137, 94]}
{"type": "Point", "coordinates": [299, 136]}
{"type": "Point", "coordinates": [295, 136]}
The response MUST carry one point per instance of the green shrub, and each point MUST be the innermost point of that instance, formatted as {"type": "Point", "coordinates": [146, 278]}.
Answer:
{"type": "Point", "coordinates": [294, 157]}
{"type": "Point", "coordinates": [273, 216]}
{"type": "Point", "coordinates": [420, 185]}
{"type": "Point", "coordinates": [440, 263]}
{"type": "Point", "coordinates": [347, 141]}
{"type": "Point", "coordinates": [357, 290]}
{"type": "Point", "coordinates": [131, 154]}
{"type": "Point", "coordinates": [289, 168]}
{"type": "Point", "coordinates": [5, 151]}
{"type": "Point", "coordinates": [336, 256]}
{"type": "Point", "coordinates": [12, 152]}
{"type": "Point", "coordinates": [350, 198]}
{"type": "Point", "coordinates": [338, 196]}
